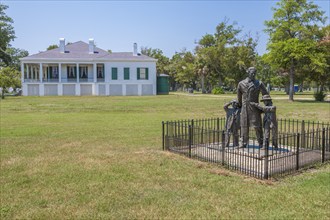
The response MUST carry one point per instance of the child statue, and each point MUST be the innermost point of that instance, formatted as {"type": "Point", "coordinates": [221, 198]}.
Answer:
{"type": "Point", "coordinates": [269, 120]}
{"type": "Point", "coordinates": [232, 122]}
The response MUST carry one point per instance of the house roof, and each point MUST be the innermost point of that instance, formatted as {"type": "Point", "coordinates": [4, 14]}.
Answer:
{"type": "Point", "coordinates": [80, 51]}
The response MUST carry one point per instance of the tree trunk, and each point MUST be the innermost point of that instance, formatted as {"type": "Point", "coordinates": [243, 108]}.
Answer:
{"type": "Point", "coordinates": [220, 81]}
{"type": "Point", "coordinates": [287, 88]}
{"type": "Point", "coordinates": [3, 93]}
{"type": "Point", "coordinates": [291, 90]}
{"type": "Point", "coordinates": [203, 85]}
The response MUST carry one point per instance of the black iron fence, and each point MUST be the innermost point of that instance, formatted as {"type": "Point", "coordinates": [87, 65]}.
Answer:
{"type": "Point", "coordinates": [299, 144]}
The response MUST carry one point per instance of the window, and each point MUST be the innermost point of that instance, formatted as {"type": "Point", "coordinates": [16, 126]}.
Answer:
{"type": "Point", "coordinates": [126, 73]}
{"type": "Point", "coordinates": [52, 72]}
{"type": "Point", "coordinates": [142, 73]}
{"type": "Point", "coordinates": [71, 72]}
{"type": "Point", "coordinates": [100, 71]}
{"type": "Point", "coordinates": [83, 71]}
{"type": "Point", "coordinates": [114, 73]}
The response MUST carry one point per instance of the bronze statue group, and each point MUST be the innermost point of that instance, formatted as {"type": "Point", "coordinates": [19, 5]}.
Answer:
{"type": "Point", "coordinates": [245, 112]}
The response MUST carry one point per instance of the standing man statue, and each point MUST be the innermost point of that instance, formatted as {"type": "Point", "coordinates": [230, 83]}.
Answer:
{"type": "Point", "coordinates": [248, 90]}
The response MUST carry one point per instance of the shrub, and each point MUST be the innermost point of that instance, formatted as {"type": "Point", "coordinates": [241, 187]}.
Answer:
{"type": "Point", "coordinates": [217, 91]}
{"type": "Point", "coordinates": [319, 96]}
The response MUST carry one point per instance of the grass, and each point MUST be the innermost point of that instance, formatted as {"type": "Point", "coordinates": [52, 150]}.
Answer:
{"type": "Point", "coordinates": [101, 157]}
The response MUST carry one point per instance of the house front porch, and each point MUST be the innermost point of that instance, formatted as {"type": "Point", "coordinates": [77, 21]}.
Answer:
{"type": "Point", "coordinates": [62, 72]}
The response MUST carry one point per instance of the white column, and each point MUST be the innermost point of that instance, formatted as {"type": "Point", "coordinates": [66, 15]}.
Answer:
{"type": "Point", "coordinates": [60, 72]}
{"type": "Point", "coordinates": [139, 89]}
{"type": "Point", "coordinates": [124, 89]}
{"type": "Point", "coordinates": [25, 89]}
{"type": "Point", "coordinates": [41, 89]}
{"type": "Point", "coordinates": [28, 71]}
{"type": "Point", "coordinates": [40, 73]}
{"type": "Point", "coordinates": [78, 74]}
{"type": "Point", "coordinates": [107, 89]}
{"type": "Point", "coordinates": [95, 89]}
{"type": "Point", "coordinates": [94, 72]}
{"type": "Point", "coordinates": [77, 89]}
{"type": "Point", "coordinates": [60, 89]}
{"type": "Point", "coordinates": [22, 71]}
{"type": "Point", "coordinates": [107, 76]}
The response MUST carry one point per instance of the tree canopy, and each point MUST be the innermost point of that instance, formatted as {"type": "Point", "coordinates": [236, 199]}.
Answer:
{"type": "Point", "coordinates": [53, 46]}
{"type": "Point", "coordinates": [7, 34]}
{"type": "Point", "coordinates": [294, 34]}
{"type": "Point", "coordinates": [9, 56]}
{"type": "Point", "coordinates": [9, 77]}
{"type": "Point", "coordinates": [162, 60]}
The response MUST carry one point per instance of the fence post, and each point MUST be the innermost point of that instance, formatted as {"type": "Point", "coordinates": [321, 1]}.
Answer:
{"type": "Point", "coordinates": [218, 128]}
{"type": "Point", "coordinates": [223, 148]}
{"type": "Point", "coordinates": [303, 134]}
{"type": "Point", "coordinates": [266, 158]}
{"type": "Point", "coordinates": [163, 134]}
{"type": "Point", "coordinates": [298, 151]}
{"type": "Point", "coordinates": [192, 129]}
{"type": "Point", "coordinates": [323, 145]}
{"type": "Point", "coordinates": [202, 138]}
{"type": "Point", "coordinates": [190, 139]}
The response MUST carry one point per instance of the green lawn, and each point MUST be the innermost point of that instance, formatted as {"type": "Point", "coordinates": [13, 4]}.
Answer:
{"type": "Point", "coordinates": [101, 157]}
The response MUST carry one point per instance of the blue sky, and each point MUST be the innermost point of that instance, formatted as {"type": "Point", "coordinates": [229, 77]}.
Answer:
{"type": "Point", "coordinates": [116, 25]}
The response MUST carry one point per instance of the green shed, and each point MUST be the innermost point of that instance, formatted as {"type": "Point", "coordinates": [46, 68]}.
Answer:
{"type": "Point", "coordinates": [163, 84]}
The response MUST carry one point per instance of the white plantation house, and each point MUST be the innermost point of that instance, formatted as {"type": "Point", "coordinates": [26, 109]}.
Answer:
{"type": "Point", "coordinates": [83, 69]}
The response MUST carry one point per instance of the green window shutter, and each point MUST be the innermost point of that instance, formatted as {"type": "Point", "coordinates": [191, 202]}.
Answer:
{"type": "Point", "coordinates": [138, 73]}
{"type": "Point", "coordinates": [114, 73]}
{"type": "Point", "coordinates": [126, 73]}
{"type": "Point", "coordinates": [147, 73]}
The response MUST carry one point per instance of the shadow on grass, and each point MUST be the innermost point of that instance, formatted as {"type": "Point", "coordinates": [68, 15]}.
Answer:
{"type": "Point", "coordinates": [297, 93]}
{"type": "Point", "coordinates": [311, 101]}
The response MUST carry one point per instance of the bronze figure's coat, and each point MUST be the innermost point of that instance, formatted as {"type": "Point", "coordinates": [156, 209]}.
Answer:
{"type": "Point", "coordinates": [248, 90]}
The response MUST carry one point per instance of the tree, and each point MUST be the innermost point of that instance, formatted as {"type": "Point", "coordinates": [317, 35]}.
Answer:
{"type": "Point", "coordinates": [53, 46]}
{"type": "Point", "coordinates": [293, 33]}
{"type": "Point", "coordinates": [16, 54]}
{"type": "Point", "coordinates": [321, 67]}
{"type": "Point", "coordinates": [238, 59]}
{"type": "Point", "coordinates": [9, 77]}
{"type": "Point", "coordinates": [213, 49]}
{"type": "Point", "coordinates": [7, 34]}
{"type": "Point", "coordinates": [202, 70]}
{"type": "Point", "coordinates": [182, 70]}
{"type": "Point", "coordinates": [266, 74]}
{"type": "Point", "coordinates": [162, 61]}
